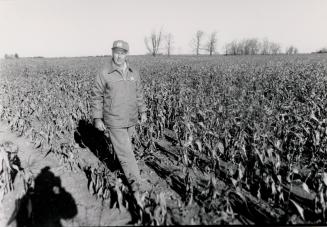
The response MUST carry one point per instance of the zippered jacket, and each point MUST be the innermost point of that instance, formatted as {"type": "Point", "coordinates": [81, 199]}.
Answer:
{"type": "Point", "coordinates": [117, 97]}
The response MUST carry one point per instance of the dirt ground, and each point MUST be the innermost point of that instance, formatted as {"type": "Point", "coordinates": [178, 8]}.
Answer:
{"type": "Point", "coordinates": [90, 210]}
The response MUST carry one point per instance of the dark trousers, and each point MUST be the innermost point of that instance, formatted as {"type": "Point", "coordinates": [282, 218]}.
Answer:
{"type": "Point", "coordinates": [121, 139]}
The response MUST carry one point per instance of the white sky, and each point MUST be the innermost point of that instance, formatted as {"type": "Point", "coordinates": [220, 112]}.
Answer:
{"type": "Point", "coordinates": [88, 27]}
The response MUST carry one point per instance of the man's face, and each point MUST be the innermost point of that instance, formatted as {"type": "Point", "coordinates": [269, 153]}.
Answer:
{"type": "Point", "coordinates": [119, 56]}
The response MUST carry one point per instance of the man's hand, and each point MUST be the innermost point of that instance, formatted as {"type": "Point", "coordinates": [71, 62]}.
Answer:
{"type": "Point", "coordinates": [98, 123]}
{"type": "Point", "coordinates": [143, 117]}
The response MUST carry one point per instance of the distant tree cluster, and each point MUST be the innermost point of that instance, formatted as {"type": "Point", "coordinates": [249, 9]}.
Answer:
{"type": "Point", "coordinates": [201, 44]}
{"type": "Point", "coordinates": [322, 51]}
{"type": "Point", "coordinates": [210, 46]}
{"type": "Point", "coordinates": [11, 56]}
{"type": "Point", "coordinates": [291, 50]}
{"type": "Point", "coordinates": [154, 43]}
{"type": "Point", "coordinates": [159, 43]}
{"type": "Point", "coordinates": [252, 46]}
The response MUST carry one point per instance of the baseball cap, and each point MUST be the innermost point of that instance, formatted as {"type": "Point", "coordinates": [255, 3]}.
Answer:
{"type": "Point", "coordinates": [120, 44]}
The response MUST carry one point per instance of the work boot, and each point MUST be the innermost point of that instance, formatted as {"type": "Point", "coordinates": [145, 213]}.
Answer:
{"type": "Point", "coordinates": [139, 192]}
{"type": "Point", "coordinates": [145, 185]}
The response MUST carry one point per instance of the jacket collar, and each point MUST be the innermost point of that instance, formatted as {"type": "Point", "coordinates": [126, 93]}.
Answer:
{"type": "Point", "coordinates": [114, 67]}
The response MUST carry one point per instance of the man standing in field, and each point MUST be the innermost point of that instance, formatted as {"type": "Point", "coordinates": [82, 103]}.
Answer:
{"type": "Point", "coordinates": [117, 99]}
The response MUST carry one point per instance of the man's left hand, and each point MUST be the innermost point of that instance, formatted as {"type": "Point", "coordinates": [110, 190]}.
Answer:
{"type": "Point", "coordinates": [143, 117]}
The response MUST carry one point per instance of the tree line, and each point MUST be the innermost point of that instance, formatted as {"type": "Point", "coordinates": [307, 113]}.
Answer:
{"type": "Point", "coordinates": [158, 43]}
{"type": "Point", "coordinates": [254, 46]}
{"type": "Point", "coordinates": [11, 56]}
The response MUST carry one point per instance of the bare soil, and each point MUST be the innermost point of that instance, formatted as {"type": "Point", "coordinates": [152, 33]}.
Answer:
{"type": "Point", "coordinates": [90, 210]}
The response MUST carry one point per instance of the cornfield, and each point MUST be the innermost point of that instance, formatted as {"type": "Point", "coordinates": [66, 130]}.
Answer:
{"type": "Point", "coordinates": [237, 137]}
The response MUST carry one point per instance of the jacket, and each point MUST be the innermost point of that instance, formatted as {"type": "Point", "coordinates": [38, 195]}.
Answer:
{"type": "Point", "coordinates": [117, 97]}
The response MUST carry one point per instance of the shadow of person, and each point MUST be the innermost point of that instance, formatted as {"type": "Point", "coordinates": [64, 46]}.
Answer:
{"type": "Point", "coordinates": [45, 204]}
{"type": "Point", "coordinates": [86, 135]}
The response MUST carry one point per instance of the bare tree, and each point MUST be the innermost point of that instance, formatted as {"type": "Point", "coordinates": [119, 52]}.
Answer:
{"type": "Point", "coordinates": [153, 42]}
{"type": "Point", "coordinates": [169, 43]}
{"type": "Point", "coordinates": [227, 48]}
{"type": "Point", "coordinates": [212, 43]}
{"type": "Point", "coordinates": [274, 48]}
{"type": "Point", "coordinates": [265, 47]}
{"type": "Point", "coordinates": [233, 48]}
{"type": "Point", "coordinates": [240, 48]}
{"type": "Point", "coordinates": [253, 46]}
{"type": "Point", "coordinates": [246, 46]}
{"type": "Point", "coordinates": [291, 50]}
{"type": "Point", "coordinates": [196, 42]}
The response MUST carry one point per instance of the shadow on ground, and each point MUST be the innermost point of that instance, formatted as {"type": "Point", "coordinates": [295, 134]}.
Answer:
{"type": "Point", "coordinates": [175, 182]}
{"type": "Point", "coordinates": [45, 203]}
{"type": "Point", "coordinates": [86, 135]}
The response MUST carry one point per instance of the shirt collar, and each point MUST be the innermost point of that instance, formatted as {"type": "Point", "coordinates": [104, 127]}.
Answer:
{"type": "Point", "coordinates": [114, 67]}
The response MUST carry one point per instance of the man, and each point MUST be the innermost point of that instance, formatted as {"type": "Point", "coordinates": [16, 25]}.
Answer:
{"type": "Point", "coordinates": [117, 98]}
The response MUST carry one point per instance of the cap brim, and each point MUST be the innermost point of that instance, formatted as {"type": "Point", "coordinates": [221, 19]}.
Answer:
{"type": "Point", "coordinates": [119, 48]}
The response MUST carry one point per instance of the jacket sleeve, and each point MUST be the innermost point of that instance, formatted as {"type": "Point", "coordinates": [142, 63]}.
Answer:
{"type": "Point", "coordinates": [97, 96]}
{"type": "Point", "coordinates": [139, 95]}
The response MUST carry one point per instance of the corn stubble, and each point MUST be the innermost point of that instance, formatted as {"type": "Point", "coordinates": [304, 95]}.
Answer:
{"type": "Point", "coordinates": [253, 127]}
